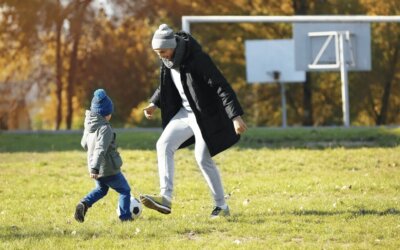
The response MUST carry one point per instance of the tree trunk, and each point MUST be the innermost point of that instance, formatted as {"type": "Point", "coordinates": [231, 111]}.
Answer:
{"type": "Point", "coordinates": [300, 8]}
{"type": "Point", "coordinates": [59, 73]}
{"type": "Point", "coordinates": [76, 29]}
{"type": "Point", "coordinates": [71, 81]}
{"type": "Point", "coordinates": [382, 117]}
{"type": "Point", "coordinates": [307, 102]}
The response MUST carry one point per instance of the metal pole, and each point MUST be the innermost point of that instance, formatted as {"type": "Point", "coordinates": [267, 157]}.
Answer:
{"type": "Point", "coordinates": [185, 24]}
{"type": "Point", "coordinates": [186, 20]}
{"type": "Point", "coordinates": [283, 97]}
{"type": "Point", "coordinates": [277, 76]}
{"type": "Point", "coordinates": [344, 79]}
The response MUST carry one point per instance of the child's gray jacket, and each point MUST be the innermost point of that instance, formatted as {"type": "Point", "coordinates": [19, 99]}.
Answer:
{"type": "Point", "coordinates": [99, 141]}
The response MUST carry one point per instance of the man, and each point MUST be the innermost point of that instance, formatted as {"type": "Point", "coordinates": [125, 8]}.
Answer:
{"type": "Point", "coordinates": [197, 105]}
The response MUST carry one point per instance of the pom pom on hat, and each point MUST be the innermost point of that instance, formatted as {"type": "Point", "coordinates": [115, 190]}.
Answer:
{"type": "Point", "coordinates": [100, 94]}
{"type": "Point", "coordinates": [164, 38]}
{"type": "Point", "coordinates": [101, 103]}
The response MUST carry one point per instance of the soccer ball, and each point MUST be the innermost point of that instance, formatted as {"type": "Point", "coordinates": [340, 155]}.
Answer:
{"type": "Point", "coordinates": [136, 208]}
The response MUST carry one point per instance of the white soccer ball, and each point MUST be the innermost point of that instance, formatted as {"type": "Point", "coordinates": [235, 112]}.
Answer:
{"type": "Point", "coordinates": [136, 208]}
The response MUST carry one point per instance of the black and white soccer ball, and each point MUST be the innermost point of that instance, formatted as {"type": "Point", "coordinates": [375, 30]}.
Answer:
{"type": "Point", "coordinates": [136, 208]}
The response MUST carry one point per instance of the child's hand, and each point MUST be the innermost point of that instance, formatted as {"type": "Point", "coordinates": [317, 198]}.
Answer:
{"type": "Point", "coordinates": [94, 176]}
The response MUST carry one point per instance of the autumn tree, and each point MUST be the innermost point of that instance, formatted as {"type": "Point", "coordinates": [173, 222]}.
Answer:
{"type": "Point", "coordinates": [70, 48]}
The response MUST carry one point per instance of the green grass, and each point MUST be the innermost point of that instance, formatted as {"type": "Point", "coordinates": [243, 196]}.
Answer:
{"type": "Point", "coordinates": [287, 189]}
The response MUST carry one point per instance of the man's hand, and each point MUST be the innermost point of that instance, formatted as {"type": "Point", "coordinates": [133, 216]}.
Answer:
{"type": "Point", "coordinates": [240, 126]}
{"type": "Point", "coordinates": [94, 176]}
{"type": "Point", "coordinates": [149, 110]}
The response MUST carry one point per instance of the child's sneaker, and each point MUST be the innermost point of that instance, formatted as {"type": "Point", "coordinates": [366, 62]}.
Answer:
{"type": "Point", "coordinates": [158, 203]}
{"type": "Point", "coordinates": [219, 212]}
{"type": "Point", "coordinates": [80, 212]}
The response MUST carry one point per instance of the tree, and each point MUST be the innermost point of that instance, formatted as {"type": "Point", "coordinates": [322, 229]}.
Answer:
{"type": "Point", "coordinates": [18, 38]}
{"type": "Point", "coordinates": [76, 21]}
{"type": "Point", "coordinates": [72, 47]}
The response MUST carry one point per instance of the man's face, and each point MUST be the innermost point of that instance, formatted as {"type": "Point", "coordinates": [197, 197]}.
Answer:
{"type": "Point", "coordinates": [165, 53]}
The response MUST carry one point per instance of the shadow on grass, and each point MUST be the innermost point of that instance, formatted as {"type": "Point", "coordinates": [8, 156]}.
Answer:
{"type": "Point", "coordinates": [264, 217]}
{"type": "Point", "coordinates": [13, 233]}
{"type": "Point", "coordinates": [356, 213]}
{"type": "Point", "coordinates": [255, 138]}
{"type": "Point", "coordinates": [284, 217]}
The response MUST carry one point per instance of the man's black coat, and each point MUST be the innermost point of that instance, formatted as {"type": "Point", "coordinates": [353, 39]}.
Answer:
{"type": "Point", "coordinates": [210, 96]}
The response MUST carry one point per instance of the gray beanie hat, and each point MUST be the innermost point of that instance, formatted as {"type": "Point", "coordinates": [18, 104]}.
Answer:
{"type": "Point", "coordinates": [163, 38]}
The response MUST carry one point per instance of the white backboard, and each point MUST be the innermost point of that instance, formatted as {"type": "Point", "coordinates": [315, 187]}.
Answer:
{"type": "Point", "coordinates": [357, 49]}
{"type": "Point", "coordinates": [264, 57]}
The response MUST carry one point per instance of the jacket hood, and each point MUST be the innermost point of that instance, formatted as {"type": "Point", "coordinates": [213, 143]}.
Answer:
{"type": "Point", "coordinates": [93, 121]}
{"type": "Point", "coordinates": [192, 46]}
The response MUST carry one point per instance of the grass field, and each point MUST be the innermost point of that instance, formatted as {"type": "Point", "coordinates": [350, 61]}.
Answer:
{"type": "Point", "coordinates": [330, 188]}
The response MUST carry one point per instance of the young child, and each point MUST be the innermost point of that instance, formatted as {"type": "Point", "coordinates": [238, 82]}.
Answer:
{"type": "Point", "coordinates": [104, 162]}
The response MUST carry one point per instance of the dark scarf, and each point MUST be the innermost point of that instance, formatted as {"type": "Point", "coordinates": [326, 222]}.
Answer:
{"type": "Point", "coordinates": [178, 55]}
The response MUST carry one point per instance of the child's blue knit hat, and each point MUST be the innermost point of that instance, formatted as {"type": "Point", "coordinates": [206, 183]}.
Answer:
{"type": "Point", "coordinates": [101, 103]}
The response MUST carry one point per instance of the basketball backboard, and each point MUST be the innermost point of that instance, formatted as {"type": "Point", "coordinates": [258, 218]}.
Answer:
{"type": "Point", "coordinates": [267, 58]}
{"type": "Point", "coordinates": [317, 44]}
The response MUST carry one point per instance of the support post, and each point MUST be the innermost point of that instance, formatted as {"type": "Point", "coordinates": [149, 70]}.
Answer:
{"type": "Point", "coordinates": [284, 114]}
{"type": "Point", "coordinates": [344, 79]}
{"type": "Point", "coordinates": [283, 98]}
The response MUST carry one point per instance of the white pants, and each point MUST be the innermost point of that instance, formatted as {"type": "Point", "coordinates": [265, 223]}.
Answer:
{"type": "Point", "coordinates": [182, 126]}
